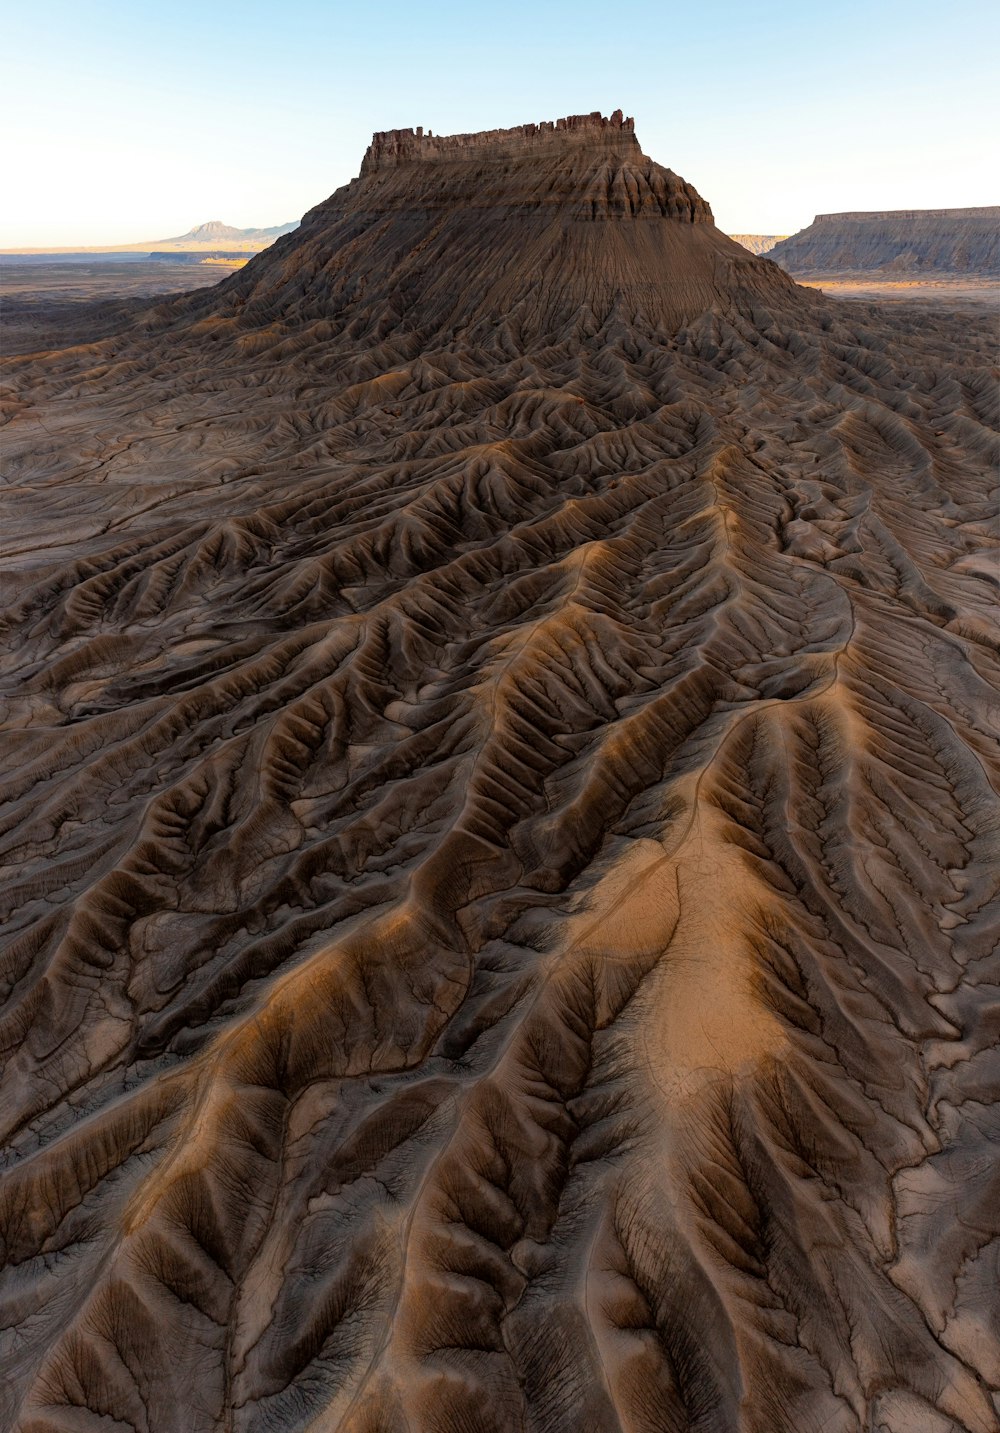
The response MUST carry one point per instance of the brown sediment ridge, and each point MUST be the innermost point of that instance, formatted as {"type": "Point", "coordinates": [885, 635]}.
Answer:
{"type": "Point", "coordinates": [501, 836]}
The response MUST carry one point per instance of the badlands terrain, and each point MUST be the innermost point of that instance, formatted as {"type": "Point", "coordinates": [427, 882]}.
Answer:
{"type": "Point", "coordinates": [501, 832]}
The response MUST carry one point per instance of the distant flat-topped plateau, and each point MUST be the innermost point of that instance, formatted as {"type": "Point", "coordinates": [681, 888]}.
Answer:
{"type": "Point", "coordinates": [501, 831]}
{"type": "Point", "coordinates": [925, 241]}
{"type": "Point", "coordinates": [758, 243]}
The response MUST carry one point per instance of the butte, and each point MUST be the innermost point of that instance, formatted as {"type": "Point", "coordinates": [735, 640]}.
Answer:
{"type": "Point", "coordinates": [500, 852]}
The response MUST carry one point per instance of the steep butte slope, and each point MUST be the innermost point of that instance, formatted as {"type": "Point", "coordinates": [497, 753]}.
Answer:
{"type": "Point", "coordinates": [950, 241]}
{"type": "Point", "coordinates": [501, 862]}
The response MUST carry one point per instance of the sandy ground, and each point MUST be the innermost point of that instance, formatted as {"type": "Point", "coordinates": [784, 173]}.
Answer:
{"type": "Point", "coordinates": [136, 278]}
{"type": "Point", "coordinates": [966, 294]}
{"type": "Point", "coordinates": [499, 869]}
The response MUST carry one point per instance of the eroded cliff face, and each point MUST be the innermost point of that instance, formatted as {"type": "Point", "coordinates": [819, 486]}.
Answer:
{"type": "Point", "coordinates": [502, 835]}
{"type": "Point", "coordinates": [930, 241]}
{"type": "Point", "coordinates": [614, 136]}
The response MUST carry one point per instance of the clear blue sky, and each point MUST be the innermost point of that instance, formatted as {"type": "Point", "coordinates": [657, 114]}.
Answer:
{"type": "Point", "coordinates": [133, 121]}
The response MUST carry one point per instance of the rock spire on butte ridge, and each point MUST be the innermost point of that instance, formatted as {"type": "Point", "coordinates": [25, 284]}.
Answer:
{"type": "Point", "coordinates": [500, 837]}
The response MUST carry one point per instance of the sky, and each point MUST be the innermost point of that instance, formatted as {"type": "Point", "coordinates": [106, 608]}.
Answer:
{"type": "Point", "coordinates": [133, 121]}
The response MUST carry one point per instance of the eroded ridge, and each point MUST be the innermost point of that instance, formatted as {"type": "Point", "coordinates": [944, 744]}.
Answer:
{"type": "Point", "coordinates": [500, 870]}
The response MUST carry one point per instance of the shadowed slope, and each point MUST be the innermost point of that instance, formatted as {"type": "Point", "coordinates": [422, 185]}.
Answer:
{"type": "Point", "coordinates": [501, 848]}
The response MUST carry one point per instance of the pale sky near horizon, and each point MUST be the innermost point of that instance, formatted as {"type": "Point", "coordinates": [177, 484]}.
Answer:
{"type": "Point", "coordinates": [133, 121]}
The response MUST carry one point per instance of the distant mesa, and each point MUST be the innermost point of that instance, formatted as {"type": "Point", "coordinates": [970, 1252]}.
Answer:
{"type": "Point", "coordinates": [759, 243]}
{"type": "Point", "coordinates": [929, 241]}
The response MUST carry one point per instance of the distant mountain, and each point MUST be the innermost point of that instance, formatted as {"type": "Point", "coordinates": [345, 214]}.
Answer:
{"type": "Point", "coordinates": [215, 232]}
{"type": "Point", "coordinates": [758, 243]}
{"type": "Point", "coordinates": [202, 238]}
{"type": "Point", "coordinates": [951, 241]}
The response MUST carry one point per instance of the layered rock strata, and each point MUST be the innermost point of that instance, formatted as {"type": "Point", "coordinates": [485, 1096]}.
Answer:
{"type": "Point", "coordinates": [929, 241]}
{"type": "Point", "coordinates": [500, 858]}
